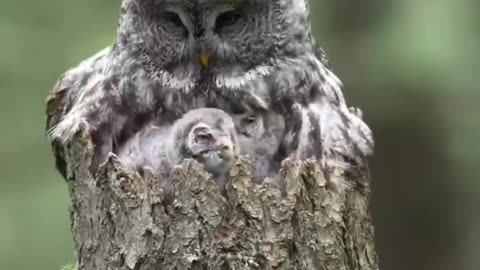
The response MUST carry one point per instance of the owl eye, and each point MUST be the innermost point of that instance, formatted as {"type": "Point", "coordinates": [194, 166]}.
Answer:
{"type": "Point", "coordinates": [249, 120]}
{"type": "Point", "coordinates": [228, 18]}
{"type": "Point", "coordinates": [203, 137]}
{"type": "Point", "coordinates": [174, 19]}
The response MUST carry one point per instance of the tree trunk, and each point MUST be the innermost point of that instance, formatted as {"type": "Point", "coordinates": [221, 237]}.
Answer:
{"type": "Point", "coordinates": [319, 220]}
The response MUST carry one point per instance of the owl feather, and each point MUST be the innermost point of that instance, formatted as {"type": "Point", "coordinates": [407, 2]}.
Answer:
{"type": "Point", "coordinates": [170, 57]}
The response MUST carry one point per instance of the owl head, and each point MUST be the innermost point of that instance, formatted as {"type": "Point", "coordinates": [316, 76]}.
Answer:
{"type": "Point", "coordinates": [224, 36]}
{"type": "Point", "coordinates": [207, 135]}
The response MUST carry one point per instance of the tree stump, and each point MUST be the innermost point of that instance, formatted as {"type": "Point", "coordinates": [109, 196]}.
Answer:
{"type": "Point", "coordinates": [315, 220]}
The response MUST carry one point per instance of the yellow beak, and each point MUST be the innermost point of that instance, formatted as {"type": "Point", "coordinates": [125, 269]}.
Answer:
{"type": "Point", "coordinates": [204, 58]}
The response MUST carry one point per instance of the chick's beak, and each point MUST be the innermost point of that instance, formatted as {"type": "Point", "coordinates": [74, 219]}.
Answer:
{"type": "Point", "coordinates": [224, 146]}
{"type": "Point", "coordinates": [204, 58]}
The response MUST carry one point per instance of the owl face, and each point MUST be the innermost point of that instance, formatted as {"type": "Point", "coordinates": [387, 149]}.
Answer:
{"type": "Point", "coordinates": [213, 147]}
{"type": "Point", "coordinates": [249, 125]}
{"type": "Point", "coordinates": [207, 135]}
{"type": "Point", "coordinates": [186, 36]}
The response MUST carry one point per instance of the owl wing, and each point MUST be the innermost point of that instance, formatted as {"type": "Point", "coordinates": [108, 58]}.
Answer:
{"type": "Point", "coordinates": [342, 129]}
{"type": "Point", "coordinates": [56, 104]}
{"type": "Point", "coordinates": [320, 123]}
{"type": "Point", "coordinates": [322, 129]}
{"type": "Point", "coordinates": [322, 56]}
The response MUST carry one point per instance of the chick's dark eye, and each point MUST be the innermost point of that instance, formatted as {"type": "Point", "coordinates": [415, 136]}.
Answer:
{"type": "Point", "coordinates": [202, 137]}
{"type": "Point", "coordinates": [228, 18]}
{"type": "Point", "coordinates": [249, 120]}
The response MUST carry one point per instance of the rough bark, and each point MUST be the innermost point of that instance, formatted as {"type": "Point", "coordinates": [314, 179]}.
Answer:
{"type": "Point", "coordinates": [318, 220]}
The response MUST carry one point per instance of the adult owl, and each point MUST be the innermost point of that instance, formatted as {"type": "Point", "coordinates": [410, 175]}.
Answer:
{"type": "Point", "coordinates": [171, 56]}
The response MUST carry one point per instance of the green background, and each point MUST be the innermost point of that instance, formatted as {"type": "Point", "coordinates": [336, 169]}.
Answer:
{"type": "Point", "coordinates": [413, 67]}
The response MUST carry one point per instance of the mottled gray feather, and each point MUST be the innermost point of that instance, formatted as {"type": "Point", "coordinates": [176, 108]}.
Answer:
{"type": "Point", "coordinates": [257, 48]}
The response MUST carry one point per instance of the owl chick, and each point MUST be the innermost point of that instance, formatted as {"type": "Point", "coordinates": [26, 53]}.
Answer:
{"type": "Point", "coordinates": [170, 57]}
{"type": "Point", "coordinates": [259, 136]}
{"type": "Point", "coordinates": [206, 135]}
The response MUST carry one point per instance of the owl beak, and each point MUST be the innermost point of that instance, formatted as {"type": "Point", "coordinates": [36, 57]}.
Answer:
{"type": "Point", "coordinates": [204, 59]}
{"type": "Point", "coordinates": [225, 147]}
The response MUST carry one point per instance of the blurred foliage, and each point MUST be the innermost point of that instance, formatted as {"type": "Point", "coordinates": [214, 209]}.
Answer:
{"type": "Point", "coordinates": [412, 66]}
{"type": "Point", "coordinates": [68, 267]}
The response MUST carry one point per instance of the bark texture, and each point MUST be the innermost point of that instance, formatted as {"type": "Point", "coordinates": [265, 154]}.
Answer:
{"type": "Point", "coordinates": [315, 220]}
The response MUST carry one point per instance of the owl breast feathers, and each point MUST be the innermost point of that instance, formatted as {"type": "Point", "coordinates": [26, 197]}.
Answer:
{"type": "Point", "coordinates": [170, 57]}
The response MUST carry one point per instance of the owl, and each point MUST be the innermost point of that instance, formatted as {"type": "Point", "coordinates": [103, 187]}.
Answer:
{"type": "Point", "coordinates": [259, 136]}
{"type": "Point", "coordinates": [172, 56]}
{"type": "Point", "coordinates": [206, 135]}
